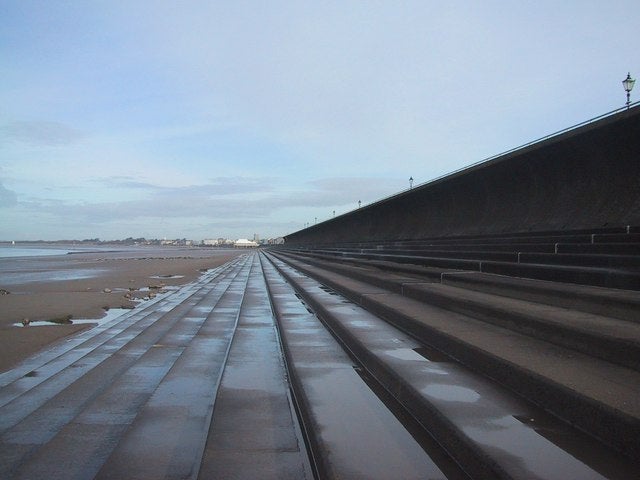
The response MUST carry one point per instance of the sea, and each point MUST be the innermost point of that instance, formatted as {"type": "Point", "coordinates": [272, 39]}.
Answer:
{"type": "Point", "coordinates": [9, 251]}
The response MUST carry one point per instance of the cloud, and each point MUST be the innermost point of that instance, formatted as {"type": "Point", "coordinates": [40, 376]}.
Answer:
{"type": "Point", "coordinates": [219, 186]}
{"type": "Point", "coordinates": [226, 200]}
{"type": "Point", "coordinates": [41, 134]}
{"type": "Point", "coordinates": [8, 198]}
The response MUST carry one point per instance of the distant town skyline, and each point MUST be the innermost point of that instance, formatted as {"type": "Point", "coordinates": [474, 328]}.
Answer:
{"type": "Point", "coordinates": [202, 119]}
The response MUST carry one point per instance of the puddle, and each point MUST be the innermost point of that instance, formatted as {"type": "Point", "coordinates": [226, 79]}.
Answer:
{"type": "Point", "coordinates": [420, 353]}
{"type": "Point", "coordinates": [50, 276]}
{"type": "Point", "coordinates": [166, 276]}
{"type": "Point", "coordinates": [111, 314]}
{"type": "Point", "coordinates": [361, 324]}
{"type": "Point", "coordinates": [451, 393]}
{"type": "Point", "coordinates": [405, 354]}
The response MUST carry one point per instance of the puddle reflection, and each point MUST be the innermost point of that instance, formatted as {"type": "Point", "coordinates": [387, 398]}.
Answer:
{"type": "Point", "coordinates": [451, 393]}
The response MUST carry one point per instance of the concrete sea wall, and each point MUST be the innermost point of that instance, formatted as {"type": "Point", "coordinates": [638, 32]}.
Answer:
{"type": "Point", "coordinates": [586, 178]}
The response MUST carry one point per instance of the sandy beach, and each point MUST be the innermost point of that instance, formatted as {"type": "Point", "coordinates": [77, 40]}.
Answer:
{"type": "Point", "coordinates": [83, 286]}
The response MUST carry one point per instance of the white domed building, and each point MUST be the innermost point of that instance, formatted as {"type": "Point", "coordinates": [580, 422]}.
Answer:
{"type": "Point", "coordinates": [244, 243]}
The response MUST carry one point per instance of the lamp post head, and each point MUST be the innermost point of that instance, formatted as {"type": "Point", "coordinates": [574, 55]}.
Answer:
{"type": "Point", "coordinates": [628, 84]}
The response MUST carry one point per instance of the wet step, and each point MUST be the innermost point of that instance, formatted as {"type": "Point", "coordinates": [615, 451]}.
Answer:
{"type": "Point", "coordinates": [621, 248]}
{"type": "Point", "coordinates": [599, 397]}
{"type": "Point", "coordinates": [610, 277]}
{"type": "Point", "coordinates": [596, 276]}
{"type": "Point", "coordinates": [42, 365]}
{"type": "Point", "coordinates": [168, 435]}
{"type": "Point", "coordinates": [92, 412]}
{"type": "Point", "coordinates": [491, 433]}
{"type": "Point", "coordinates": [474, 247]}
{"type": "Point", "coordinates": [254, 431]}
{"type": "Point", "coordinates": [385, 279]}
{"type": "Point", "coordinates": [629, 262]}
{"type": "Point", "coordinates": [351, 432]}
{"type": "Point", "coordinates": [616, 303]}
{"type": "Point", "coordinates": [422, 254]}
{"type": "Point", "coordinates": [29, 392]}
{"type": "Point", "coordinates": [611, 339]}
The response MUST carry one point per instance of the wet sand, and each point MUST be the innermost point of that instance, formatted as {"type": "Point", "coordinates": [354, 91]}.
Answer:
{"type": "Point", "coordinates": [84, 285]}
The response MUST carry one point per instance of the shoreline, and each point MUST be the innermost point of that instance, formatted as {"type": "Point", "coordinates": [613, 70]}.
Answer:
{"type": "Point", "coordinates": [84, 285]}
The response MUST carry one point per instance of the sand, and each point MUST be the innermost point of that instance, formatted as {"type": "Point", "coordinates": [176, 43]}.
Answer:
{"type": "Point", "coordinates": [84, 285]}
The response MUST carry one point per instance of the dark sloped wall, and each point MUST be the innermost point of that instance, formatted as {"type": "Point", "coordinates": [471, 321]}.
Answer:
{"type": "Point", "coordinates": [586, 178]}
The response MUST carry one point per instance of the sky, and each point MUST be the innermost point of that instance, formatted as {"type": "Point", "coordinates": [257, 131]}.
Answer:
{"type": "Point", "coordinates": [207, 119]}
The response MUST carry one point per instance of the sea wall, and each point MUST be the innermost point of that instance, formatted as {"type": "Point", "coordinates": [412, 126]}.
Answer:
{"type": "Point", "coordinates": [586, 178]}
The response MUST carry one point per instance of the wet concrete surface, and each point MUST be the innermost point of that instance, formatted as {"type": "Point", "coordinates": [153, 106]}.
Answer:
{"type": "Point", "coordinates": [94, 386]}
{"type": "Point", "coordinates": [168, 434]}
{"type": "Point", "coordinates": [479, 415]}
{"type": "Point", "coordinates": [206, 382]}
{"type": "Point", "coordinates": [254, 427]}
{"type": "Point", "coordinates": [352, 433]}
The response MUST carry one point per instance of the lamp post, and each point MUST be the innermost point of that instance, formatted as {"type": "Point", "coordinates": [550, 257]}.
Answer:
{"type": "Point", "coordinates": [628, 83]}
{"type": "Point", "coordinates": [410, 183]}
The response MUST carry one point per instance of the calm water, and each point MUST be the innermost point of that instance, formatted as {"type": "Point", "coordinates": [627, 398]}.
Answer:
{"type": "Point", "coordinates": [9, 251]}
{"type": "Point", "coordinates": [28, 264]}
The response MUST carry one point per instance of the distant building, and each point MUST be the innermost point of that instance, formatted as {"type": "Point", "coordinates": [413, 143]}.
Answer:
{"type": "Point", "coordinates": [244, 243]}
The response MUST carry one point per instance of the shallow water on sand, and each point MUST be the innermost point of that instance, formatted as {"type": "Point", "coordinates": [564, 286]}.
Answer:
{"type": "Point", "coordinates": [13, 251]}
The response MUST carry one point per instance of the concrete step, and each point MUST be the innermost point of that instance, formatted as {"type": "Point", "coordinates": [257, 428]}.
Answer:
{"type": "Point", "coordinates": [89, 404]}
{"type": "Point", "coordinates": [616, 238]}
{"type": "Point", "coordinates": [626, 262]}
{"type": "Point", "coordinates": [509, 239]}
{"type": "Point", "coordinates": [254, 429]}
{"type": "Point", "coordinates": [597, 396]}
{"type": "Point", "coordinates": [463, 411]}
{"type": "Point", "coordinates": [440, 262]}
{"type": "Point", "coordinates": [475, 247]}
{"type": "Point", "coordinates": [550, 257]}
{"type": "Point", "coordinates": [597, 276]}
{"type": "Point", "coordinates": [622, 248]}
{"type": "Point", "coordinates": [351, 431]}
{"type": "Point", "coordinates": [511, 256]}
{"type": "Point", "coordinates": [611, 339]}
{"type": "Point", "coordinates": [168, 435]}
{"type": "Point", "coordinates": [622, 304]}
{"type": "Point", "coordinates": [600, 277]}
{"type": "Point", "coordinates": [616, 303]}
{"type": "Point", "coordinates": [579, 248]}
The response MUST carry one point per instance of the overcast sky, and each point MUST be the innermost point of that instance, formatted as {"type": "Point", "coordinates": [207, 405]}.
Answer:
{"type": "Point", "coordinates": [229, 118]}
